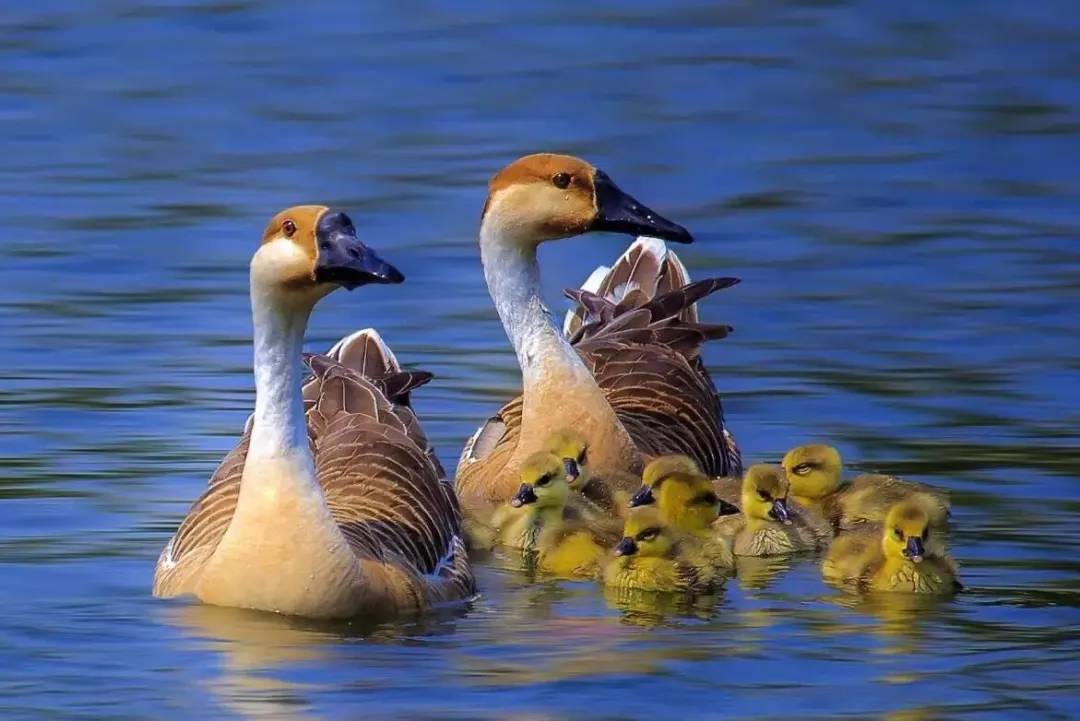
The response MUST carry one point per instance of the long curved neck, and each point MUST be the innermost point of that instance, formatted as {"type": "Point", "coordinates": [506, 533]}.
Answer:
{"type": "Point", "coordinates": [559, 390]}
{"type": "Point", "coordinates": [513, 279]}
{"type": "Point", "coordinates": [279, 428]}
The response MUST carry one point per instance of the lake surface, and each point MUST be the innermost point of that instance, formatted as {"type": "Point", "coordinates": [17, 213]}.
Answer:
{"type": "Point", "coordinates": [898, 188]}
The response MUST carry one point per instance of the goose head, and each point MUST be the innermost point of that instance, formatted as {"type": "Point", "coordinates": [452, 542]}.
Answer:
{"type": "Point", "coordinates": [308, 251]}
{"type": "Point", "coordinates": [907, 531]}
{"type": "Point", "coordinates": [813, 470]}
{"type": "Point", "coordinates": [546, 196]}
{"type": "Point", "coordinates": [764, 494]}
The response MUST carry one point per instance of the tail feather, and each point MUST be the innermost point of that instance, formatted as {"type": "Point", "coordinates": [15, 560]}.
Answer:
{"type": "Point", "coordinates": [647, 269]}
{"type": "Point", "coordinates": [366, 353]}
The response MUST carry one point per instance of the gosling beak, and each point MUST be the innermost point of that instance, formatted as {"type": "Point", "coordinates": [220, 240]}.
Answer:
{"type": "Point", "coordinates": [343, 259]}
{"type": "Point", "coordinates": [572, 470]}
{"type": "Point", "coordinates": [626, 547]}
{"type": "Point", "coordinates": [914, 549]}
{"type": "Point", "coordinates": [619, 213]}
{"type": "Point", "coordinates": [642, 497]}
{"type": "Point", "coordinates": [524, 496]}
{"type": "Point", "coordinates": [780, 512]}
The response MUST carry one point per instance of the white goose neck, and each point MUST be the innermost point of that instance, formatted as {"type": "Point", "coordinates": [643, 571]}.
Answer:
{"type": "Point", "coordinates": [280, 428]}
{"type": "Point", "coordinates": [513, 280]}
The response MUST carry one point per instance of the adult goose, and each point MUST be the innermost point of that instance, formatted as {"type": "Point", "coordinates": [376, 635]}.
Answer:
{"type": "Point", "coordinates": [625, 370]}
{"type": "Point", "coordinates": [332, 504]}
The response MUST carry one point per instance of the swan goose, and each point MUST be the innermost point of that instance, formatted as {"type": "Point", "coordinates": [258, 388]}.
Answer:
{"type": "Point", "coordinates": [332, 504]}
{"type": "Point", "coordinates": [625, 369]}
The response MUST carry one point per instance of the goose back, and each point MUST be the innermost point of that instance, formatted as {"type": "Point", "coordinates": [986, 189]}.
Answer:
{"type": "Point", "coordinates": [379, 476]}
{"type": "Point", "coordinates": [636, 327]}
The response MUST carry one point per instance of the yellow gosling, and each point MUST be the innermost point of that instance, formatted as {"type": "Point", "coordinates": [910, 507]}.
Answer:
{"type": "Point", "coordinates": [768, 524]}
{"type": "Point", "coordinates": [537, 520]}
{"type": "Point", "coordinates": [907, 558]}
{"type": "Point", "coordinates": [815, 474]}
{"type": "Point", "coordinates": [572, 447]}
{"type": "Point", "coordinates": [653, 556]}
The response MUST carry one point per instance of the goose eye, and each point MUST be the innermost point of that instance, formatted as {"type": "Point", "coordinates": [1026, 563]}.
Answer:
{"type": "Point", "coordinates": [648, 534]}
{"type": "Point", "coordinates": [802, 469]}
{"type": "Point", "coordinates": [288, 228]}
{"type": "Point", "coordinates": [899, 534]}
{"type": "Point", "coordinates": [561, 180]}
{"type": "Point", "coordinates": [543, 480]}
{"type": "Point", "coordinates": [764, 496]}
{"type": "Point", "coordinates": [581, 459]}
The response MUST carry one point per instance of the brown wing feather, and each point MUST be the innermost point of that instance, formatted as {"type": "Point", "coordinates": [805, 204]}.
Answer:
{"type": "Point", "coordinates": [639, 334]}
{"type": "Point", "coordinates": [379, 476]}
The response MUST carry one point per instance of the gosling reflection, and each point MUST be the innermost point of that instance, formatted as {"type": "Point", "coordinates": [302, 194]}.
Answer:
{"type": "Point", "coordinates": [757, 573]}
{"type": "Point", "coordinates": [899, 618]}
{"type": "Point", "coordinates": [650, 609]}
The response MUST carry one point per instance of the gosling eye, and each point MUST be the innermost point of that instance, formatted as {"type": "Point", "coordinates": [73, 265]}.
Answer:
{"type": "Point", "coordinates": [562, 180]}
{"type": "Point", "coordinates": [926, 533]}
{"type": "Point", "coordinates": [648, 534]}
{"type": "Point", "coordinates": [288, 228]}
{"type": "Point", "coordinates": [583, 456]}
{"type": "Point", "coordinates": [543, 480]}
{"type": "Point", "coordinates": [899, 534]}
{"type": "Point", "coordinates": [802, 469]}
{"type": "Point", "coordinates": [764, 495]}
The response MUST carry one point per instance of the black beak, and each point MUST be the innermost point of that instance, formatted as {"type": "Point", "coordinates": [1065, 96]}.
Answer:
{"type": "Point", "coordinates": [780, 512]}
{"type": "Point", "coordinates": [524, 496]}
{"type": "Point", "coordinates": [619, 213]}
{"type": "Point", "coordinates": [642, 497]}
{"type": "Point", "coordinates": [572, 470]}
{"type": "Point", "coordinates": [626, 547]}
{"type": "Point", "coordinates": [343, 259]}
{"type": "Point", "coordinates": [914, 549]}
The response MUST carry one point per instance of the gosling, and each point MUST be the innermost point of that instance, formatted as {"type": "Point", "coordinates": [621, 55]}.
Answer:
{"type": "Point", "coordinates": [905, 557]}
{"type": "Point", "coordinates": [653, 556]}
{"type": "Point", "coordinates": [814, 472]}
{"type": "Point", "coordinates": [768, 524]}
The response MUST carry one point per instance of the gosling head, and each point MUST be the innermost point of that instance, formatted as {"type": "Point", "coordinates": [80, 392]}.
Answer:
{"type": "Point", "coordinates": [657, 472]}
{"type": "Point", "coordinates": [764, 494]}
{"type": "Point", "coordinates": [813, 470]}
{"type": "Point", "coordinates": [573, 449]}
{"type": "Point", "coordinates": [907, 530]}
{"type": "Point", "coordinates": [309, 250]}
{"type": "Point", "coordinates": [645, 534]}
{"type": "Point", "coordinates": [543, 483]}
{"type": "Point", "coordinates": [546, 196]}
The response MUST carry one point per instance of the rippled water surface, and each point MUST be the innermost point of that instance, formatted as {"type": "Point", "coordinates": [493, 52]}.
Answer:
{"type": "Point", "coordinates": [898, 189]}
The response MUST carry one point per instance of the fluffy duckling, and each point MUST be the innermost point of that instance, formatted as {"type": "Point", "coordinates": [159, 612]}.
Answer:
{"type": "Point", "coordinates": [814, 472]}
{"type": "Point", "coordinates": [653, 556]}
{"type": "Point", "coordinates": [768, 525]}
{"type": "Point", "coordinates": [683, 494]}
{"type": "Point", "coordinates": [573, 449]}
{"type": "Point", "coordinates": [538, 520]}
{"type": "Point", "coordinates": [906, 555]}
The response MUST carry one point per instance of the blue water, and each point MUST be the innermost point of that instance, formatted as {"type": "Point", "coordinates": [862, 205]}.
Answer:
{"type": "Point", "coordinates": [896, 184]}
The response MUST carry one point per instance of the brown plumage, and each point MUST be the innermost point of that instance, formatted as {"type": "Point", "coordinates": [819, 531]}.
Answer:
{"type": "Point", "coordinates": [638, 333]}
{"type": "Point", "coordinates": [379, 476]}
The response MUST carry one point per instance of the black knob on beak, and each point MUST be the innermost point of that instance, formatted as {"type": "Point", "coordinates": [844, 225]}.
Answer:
{"type": "Point", "coordinates": [780, 511]}
{"type": "Point", "coordinates": [524, 496]}
{"type": "Point", "coordinates": [626, 547]}
{"type": "Point", "coordinates": [642, 497]}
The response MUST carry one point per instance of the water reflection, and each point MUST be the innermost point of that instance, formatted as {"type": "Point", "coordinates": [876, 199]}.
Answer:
{"type": "Point", "coordinates": [893, 185]}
